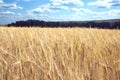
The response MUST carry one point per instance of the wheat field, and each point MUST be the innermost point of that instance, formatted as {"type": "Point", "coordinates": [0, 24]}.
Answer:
{"type": "Point", "coordinates": [59, 54]}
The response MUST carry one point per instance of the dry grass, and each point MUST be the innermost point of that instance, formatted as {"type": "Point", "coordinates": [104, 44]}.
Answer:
{"type": "Point", "coordinates": [59, 54]}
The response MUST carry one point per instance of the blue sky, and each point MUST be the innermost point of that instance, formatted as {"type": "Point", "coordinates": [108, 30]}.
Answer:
{"type": "Point", "coordinates": [58, 10]}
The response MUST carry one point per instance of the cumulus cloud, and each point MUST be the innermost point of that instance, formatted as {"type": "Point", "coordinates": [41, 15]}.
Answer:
{"type": "Point", "coordinates": [62, 2]}
{"type": "Point", "coordinates": [105, 3]}
{"type": "Point", "coordinates": [10, 6]}
{"type": "Point", "coordinates": [4, 5]}
{"type": "Point", "coordinates": [114, 13]}
{"type": "Point", "coordinates": [89, 11]}
{"type": "Point", "coordinates": [1, 1]}
{"type": "Point", "coordinates": [81, 10]}
{"type": "Point", "coordinates": [7, 13]}
{"type": "Point", "coordinates": [48, 8]}
{"type": "Point", "coordinates": [115, 3]}
{"type": "Point", "coordinates": [43, 8]}
{"type": "Point", "coordinates": [101, 3]}
{"type": "Point", "coordinates": [84, 11]}
{"type": "Point", "coordinates": [56, 6]}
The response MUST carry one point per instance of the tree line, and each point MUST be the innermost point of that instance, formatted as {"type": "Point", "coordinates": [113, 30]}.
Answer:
{"type": "Point", "coordinates": [115, 24]}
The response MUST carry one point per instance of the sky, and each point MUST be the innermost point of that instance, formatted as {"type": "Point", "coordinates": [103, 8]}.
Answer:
{"type": "Point", "coordinates": [58, 10]}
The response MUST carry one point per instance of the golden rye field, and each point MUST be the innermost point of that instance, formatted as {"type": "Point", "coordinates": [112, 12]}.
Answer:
{"type": "Point", "coordinates": [59, 54]}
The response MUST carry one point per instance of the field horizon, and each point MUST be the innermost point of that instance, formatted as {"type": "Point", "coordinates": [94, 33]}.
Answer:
{"type": "Point", "coordinates": [59, 54]}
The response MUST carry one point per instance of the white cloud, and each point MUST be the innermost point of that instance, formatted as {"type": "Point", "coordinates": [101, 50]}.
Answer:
{"type": "Point", "coordinates": [4, 5]}
{"type": "Point", "coordinates": [109, 14]}
{"type": "Point", "coordinates": [1, 1]}
{"type": "Point", "coordinates": [43, 8]}
{"type": "Point", "coordinates": [7, 13]}
{"type": "Point", "coordinates": [81, 10]}
{"type": "Point", "coordinates": [114, 13]}
{"type": "Point", "coordinates": [84, 10]}
{"type": "Point", "coordinates": [10, 6]}
{"type": "Point", "coordinates": [101, 3]}
{"type": "Point", "coordinates": [62, 2]}
{"type": "Point", "coordinates": [56, 6]}
{"type": "Point", "coordinates": [59, 7]}
{"type": "Point", "coordinates": [49, 8]}
{"type": "Point", "coordinates": [105, 3]}
{"type": "Point", "coordinates": [89, 11]}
